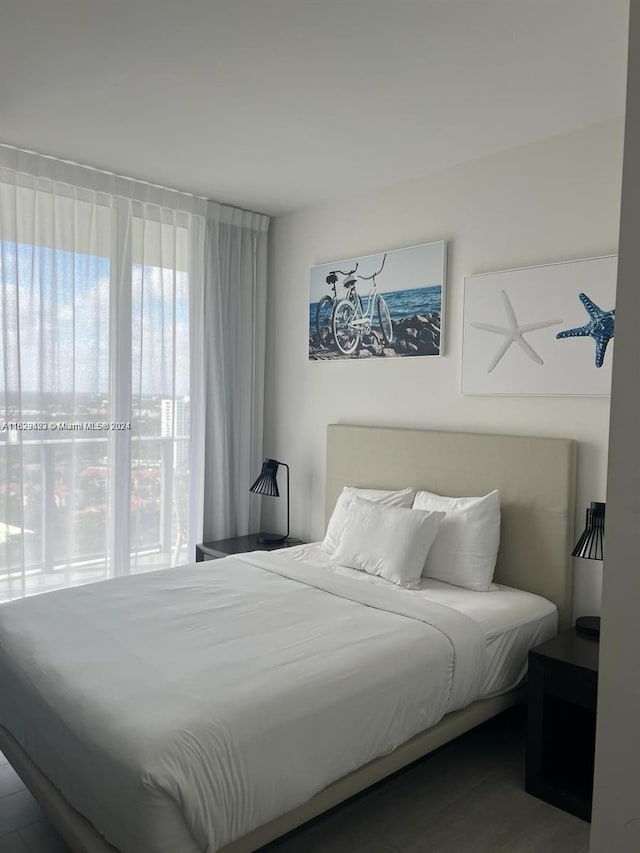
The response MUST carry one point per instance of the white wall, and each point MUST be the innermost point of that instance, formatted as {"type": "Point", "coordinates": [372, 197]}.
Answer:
{"type": "Point", "coordinates": [553, 200]}
{"type": "Point", "coordinates": [616, 801]}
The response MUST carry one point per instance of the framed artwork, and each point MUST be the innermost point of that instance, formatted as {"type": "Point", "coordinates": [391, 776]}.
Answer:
{"type": "Point", "coordinates": [387, 305]}
{"type": "Point", "coordinates": [540, 330]}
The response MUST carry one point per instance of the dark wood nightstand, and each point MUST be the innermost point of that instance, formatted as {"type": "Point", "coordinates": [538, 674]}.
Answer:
{"type": "Point", "coordinates": [563, 688]}
{"type": "Point", "coordinates": [237, 545]}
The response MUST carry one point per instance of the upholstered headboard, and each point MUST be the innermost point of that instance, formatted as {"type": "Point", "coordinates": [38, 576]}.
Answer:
{"type": "Point", "coordinates": [535, 477]}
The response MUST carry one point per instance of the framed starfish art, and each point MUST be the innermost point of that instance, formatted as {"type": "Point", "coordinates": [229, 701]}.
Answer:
{"type": "Point", "coordinates": [545, 330]}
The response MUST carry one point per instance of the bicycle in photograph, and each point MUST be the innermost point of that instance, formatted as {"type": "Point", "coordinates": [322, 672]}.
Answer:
{"type": "Point", "coordinates": [351, 321]}
{"type": "Point", "coordinates": [324, 311]}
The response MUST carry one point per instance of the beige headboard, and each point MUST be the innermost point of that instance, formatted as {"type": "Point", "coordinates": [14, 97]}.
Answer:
{"type": "Point", "coordinates": [535, 476]}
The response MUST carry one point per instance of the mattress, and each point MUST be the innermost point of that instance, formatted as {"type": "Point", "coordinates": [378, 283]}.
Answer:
{"type": "Point", "coordinates": [181, 709]}
{"type": "Point", "coordinates": [512, 621]}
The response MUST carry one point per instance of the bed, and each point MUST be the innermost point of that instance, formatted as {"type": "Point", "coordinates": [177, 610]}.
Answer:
{"type": "Point", "coordinates": [536, 479]}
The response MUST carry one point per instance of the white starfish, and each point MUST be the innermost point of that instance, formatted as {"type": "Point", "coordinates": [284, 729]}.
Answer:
{"type": "Point", "coordinates": [514, 333]}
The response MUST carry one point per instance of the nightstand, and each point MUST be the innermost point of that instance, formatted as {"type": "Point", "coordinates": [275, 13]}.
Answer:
{"type": "Point", "coordinates": [237, 545]}
{"type": "Point", "coordinates": [563, 687]}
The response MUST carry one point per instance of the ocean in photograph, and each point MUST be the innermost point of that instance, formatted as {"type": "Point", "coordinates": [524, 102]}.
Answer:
{"type": "Point", "coordinates": [403, 304]}
{"type": "Point", "coordinates": [407, 303]}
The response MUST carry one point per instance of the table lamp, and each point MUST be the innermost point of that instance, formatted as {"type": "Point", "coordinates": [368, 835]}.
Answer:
{"type": "Point", "coordinates": [267, 484]}
{"type": "Point", "coordinates": [590, 546]}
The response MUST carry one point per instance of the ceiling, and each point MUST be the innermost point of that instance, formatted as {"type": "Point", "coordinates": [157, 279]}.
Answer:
{"type": "Point", "coordinates": [277, 104]}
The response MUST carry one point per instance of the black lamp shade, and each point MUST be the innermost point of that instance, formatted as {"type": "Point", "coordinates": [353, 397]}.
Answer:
{"type": "Point", "coordinates": [590, 545]}
{"type": "Point", "coordinates": [267, 484]}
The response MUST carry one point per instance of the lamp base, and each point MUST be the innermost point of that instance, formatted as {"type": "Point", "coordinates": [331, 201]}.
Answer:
{"type": "Point", "coordinates": [271, 538]}
{"type": "Point", "coordinates": [588, 626]}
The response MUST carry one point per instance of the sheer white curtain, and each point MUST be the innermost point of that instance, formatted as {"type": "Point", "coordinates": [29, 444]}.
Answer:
{"type": "Point", "coordinates": [235, 298]}
{"type": "Point", "coordinates": [101, 311]}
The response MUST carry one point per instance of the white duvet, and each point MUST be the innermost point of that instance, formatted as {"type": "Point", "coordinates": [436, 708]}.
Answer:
{"type": "Point", "coordinates": [179, 710]}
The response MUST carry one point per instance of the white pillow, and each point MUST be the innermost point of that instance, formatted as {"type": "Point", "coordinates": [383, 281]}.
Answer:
{"type": "Point", "coordinates": [389, 541]}
{"type": "Point", "coordinates": [402, 497]}
{"type": "Point", "coordinates": [466, 548]}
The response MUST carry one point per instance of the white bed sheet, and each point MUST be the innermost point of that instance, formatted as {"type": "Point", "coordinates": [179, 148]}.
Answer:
{"type": "Point", "coordinates": [512, 620]}
{"type": "Point", "coordinates": [181, 709]}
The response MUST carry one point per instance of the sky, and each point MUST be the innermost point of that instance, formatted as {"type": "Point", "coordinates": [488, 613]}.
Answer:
{"type": "Point", "coordinates": [56, 304]}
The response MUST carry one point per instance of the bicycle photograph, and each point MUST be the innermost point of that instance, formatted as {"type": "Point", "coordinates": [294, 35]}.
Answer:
{"type": "Point", "coordinates": [387, 305]}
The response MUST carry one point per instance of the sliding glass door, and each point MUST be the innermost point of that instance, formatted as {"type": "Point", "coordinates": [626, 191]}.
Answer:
{"type": "Point", "coordinates": [94, 386]}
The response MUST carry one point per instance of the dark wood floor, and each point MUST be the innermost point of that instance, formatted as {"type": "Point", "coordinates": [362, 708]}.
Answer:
{"type": "Point", "coordinates": [467, 798]}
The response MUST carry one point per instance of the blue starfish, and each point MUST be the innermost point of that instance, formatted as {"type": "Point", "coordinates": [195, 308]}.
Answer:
{"type": "Point", "coordinates": [600, 327]}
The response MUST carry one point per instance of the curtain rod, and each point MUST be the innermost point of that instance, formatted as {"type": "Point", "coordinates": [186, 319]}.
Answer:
{"type": "Point", "coordinates": [124, 177]}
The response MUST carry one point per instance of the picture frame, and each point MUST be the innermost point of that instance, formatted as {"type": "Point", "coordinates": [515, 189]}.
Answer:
{"type": "Point", "coordinates": [386, 305]}
{"type": "Point", "coordinates": [542, 330]}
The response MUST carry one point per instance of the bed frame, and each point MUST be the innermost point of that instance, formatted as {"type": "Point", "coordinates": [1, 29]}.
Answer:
{"type": "Point", "coordinates": [536, 479]}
